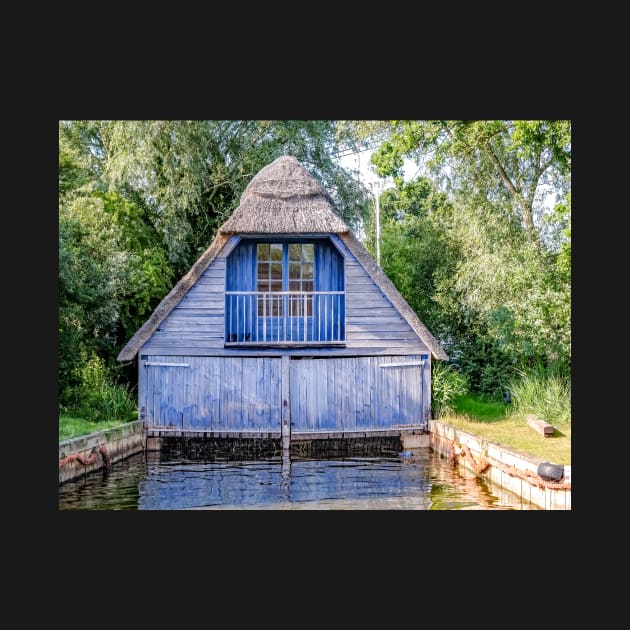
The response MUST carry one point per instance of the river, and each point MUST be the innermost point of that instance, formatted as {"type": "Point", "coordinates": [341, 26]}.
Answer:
{"type": "Point", "coordinates": [411, 480]}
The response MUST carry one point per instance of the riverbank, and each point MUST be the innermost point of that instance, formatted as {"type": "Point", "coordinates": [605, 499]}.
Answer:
{"type": "Point", "coordinates": [83, 455]}
{"type": "Point", "coordinates": [504, 470]}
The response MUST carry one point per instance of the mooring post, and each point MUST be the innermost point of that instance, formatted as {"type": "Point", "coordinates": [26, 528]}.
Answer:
{"type": "Point", "coordinates": [285, 471]}
{"type": "Point", "coordinates": [285, 416]}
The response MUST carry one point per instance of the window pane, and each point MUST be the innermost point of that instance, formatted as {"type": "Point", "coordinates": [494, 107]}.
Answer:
{"type": "Point", "coordinates": [308, 252]}
{"type": "Point", "coordinates": [262, 251]}
{"type": "Point", "coordinates": [294, 251]}
{"type": "Point", "coordinates": [307, 270]}
{"type": "Point", "coordinates": [276, 285]}
{"type": "Point", "coordinates": [307, 285]}
{"type": "Point", "coordinates": [276, 251]}
{"type": "Point", "coordinates": [263, 270]}
{"type": "Point", "coordinates": [276, 271]}
{"type": "Point", "coordinates": [294, 285]}
{"type": "Point", "coordinates": [294, 271]}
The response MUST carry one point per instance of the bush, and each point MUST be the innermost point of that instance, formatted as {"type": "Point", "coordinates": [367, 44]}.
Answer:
{"type": "Point", "coordinates": [447, 384]}
{"type": "Point", "coordinates": [547, 396]}
{"type": "Point", "coordinates": [97, 398]}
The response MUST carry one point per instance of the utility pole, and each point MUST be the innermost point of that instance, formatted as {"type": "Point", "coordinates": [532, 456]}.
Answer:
{"type": "Point", "coordinates": [376, 189]}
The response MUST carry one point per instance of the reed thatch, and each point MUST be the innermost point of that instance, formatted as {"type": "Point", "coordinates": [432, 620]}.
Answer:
{"type": "Point", "coordinates": [172, 299]}
{"type": "Point", "coordinates": [283, 198]}
{"type": "Point", "coordinates": [392, 293]}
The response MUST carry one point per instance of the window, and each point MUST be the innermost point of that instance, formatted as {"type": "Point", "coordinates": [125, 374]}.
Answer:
{"type": "Point", "coordinates": [301, 277]}
{"type": "Point", "coordinates": [282, 268]}
{"type": "Point", "coordinates": [269, 273]}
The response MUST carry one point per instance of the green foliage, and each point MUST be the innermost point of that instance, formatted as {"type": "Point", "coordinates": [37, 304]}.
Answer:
{"type": "Point", "coordinates": [191, 174]}
{"type": "Point", "coordinates": [498, 160]}
{"type": "Point", "coordinates": [505, 303]}
{"type": "Point", "coordinates": [546, 395]}
{"type": "Point", "coordinates": [447, 385]}
{"type": "Point", "coordinates": [91, 279]}
{"type": "Point", "coordinates": [479, 407]}
{"type": "Point", "coordinates": [560, 221]}
{"type": "Point", "coordinates": [415, 249]}
{"type": "Point", "coordinates": [96, 397]}
{"type": "Point", "coordinates": [71, 427]}
{"type": "Point", "coordinates": [148, 275]}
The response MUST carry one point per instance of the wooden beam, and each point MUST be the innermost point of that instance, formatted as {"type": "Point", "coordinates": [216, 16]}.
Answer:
{"type": "Point", "coordinates": [542, 427]}
{"type": "Point", "coordinates": [285, 397]}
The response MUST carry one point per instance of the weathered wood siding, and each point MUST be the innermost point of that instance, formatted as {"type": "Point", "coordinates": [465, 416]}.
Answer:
{"type": "Point", "coordinates": [373, 324]}
{"type": "Point", "coordinates": [247, 393]}
{"type": "Point", "coordinates": [198, 321]}
{"type": "Point", "coordinates": [210, 393]}
{"type": "Point", "coordinates": [356, 393]}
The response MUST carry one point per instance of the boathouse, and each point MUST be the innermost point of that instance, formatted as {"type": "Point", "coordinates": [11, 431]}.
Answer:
{"type": "Point", "coordinates": [285, 326]}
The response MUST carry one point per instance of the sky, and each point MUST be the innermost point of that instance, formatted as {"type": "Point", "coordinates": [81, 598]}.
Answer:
{"type": "Point", "coordinates": [361, 161]}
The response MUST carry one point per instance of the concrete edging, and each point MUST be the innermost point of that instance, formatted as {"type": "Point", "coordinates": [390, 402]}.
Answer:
{"type": "Point", "coordinates": [444, 439]}
{"type": "Point", "coordinates": [119, 442]}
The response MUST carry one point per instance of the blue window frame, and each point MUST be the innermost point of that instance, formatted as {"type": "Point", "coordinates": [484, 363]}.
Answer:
{"type": "Point", "coordinates": [284, 290]}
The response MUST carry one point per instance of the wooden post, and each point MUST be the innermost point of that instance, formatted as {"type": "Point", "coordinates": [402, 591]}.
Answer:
{"type": "Point", "coordinates": [542, 427]}
{"type": "Point", "coordinates": [285, 414]}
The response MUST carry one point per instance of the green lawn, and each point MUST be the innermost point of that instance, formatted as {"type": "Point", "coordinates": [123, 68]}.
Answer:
{"type": "Point", "coordinates": [488, 420]}
{"type": "Point", "coordinates": [70, 427]}
{"type": "Point", "coordinates": [484, 418]}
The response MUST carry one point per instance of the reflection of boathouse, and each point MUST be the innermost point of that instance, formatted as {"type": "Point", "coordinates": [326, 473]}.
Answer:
{"type": "Point", "coordinates": [285, 326]}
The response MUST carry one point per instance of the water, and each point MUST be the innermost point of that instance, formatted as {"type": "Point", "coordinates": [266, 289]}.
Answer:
{"type": "Point", "coordinates": [159, 481]}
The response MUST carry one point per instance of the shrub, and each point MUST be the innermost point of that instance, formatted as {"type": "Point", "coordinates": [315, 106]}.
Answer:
{"type": "Point", "coordinates": [447, 384]}
{"type": "Point", "coordinates": [97, 397]}
{"type": "Point", "coordinates": [547, 396]}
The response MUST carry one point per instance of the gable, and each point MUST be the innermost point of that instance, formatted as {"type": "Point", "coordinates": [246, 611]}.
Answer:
{"type": "Point", "coordinates": [173, 298]}
{"type": "Point", "coordinates": [349, 245]}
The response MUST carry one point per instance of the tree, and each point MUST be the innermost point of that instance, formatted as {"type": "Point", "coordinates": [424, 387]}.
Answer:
{"type": "Point", "coordinates": [516, 161]}
{"type": "Point", "coordinates": [490, 268]}
{"type": "Point", "coordinates": [91, 276]}
{"type": "Point", "coordinates": [191, 174]}
{"type": "Point", "coordinates": [139, 201]}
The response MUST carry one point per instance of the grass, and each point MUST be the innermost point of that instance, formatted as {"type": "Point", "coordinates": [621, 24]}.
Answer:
{"type": "Point", "coordinates": [71, 427]}
{"type": "Point", "coordinates": [493, 422]}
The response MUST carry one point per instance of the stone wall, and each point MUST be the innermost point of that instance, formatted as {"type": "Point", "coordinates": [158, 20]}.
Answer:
{"type": "Point", "coordinates": [100, 449]}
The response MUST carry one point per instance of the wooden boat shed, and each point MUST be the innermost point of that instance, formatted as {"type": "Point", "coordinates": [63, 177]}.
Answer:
{"type": "Point", "coordinates": [285, 326]}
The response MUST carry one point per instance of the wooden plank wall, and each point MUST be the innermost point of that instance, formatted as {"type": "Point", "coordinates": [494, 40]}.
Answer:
{"type": "Point", "coordinates": [198, 320]}
{"type": "Point", "coordinates": [197, 325]}
{"type": "Point", "coordinates": [211, 393]}
{"type": "Point", "coordinates": [355, 393]}
{"type": "Point", "coordinates": [245, 393]}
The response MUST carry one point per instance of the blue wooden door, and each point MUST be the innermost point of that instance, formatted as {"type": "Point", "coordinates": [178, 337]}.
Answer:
{"type": "Point", "coordinates": [211, 393]}
{"type": "Point", "coordinates": [355, 393]}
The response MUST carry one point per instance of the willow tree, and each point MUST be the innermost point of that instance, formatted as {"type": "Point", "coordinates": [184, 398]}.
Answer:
{"type": "Point", "coordinates": [518, 161]}
{"type": "Point", "coordinates": [190, 174]}
{"type": "Point", "coordinates": [140, 200]}
{"type": "Point", "coordinates": [504, 297]}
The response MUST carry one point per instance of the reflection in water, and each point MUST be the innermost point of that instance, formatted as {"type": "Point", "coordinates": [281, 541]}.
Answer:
{"type": "Point", "coordinates": [158, 481]}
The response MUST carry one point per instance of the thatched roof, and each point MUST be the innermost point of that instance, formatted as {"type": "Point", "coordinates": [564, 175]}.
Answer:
{"type": "Point", "coordinates": [172, 299]}
{"type": "Point", "coordinates": [392, 293]}
{"type": "Point", "coordinates": [283, 198]}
